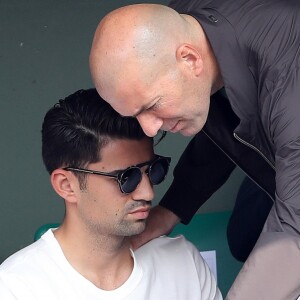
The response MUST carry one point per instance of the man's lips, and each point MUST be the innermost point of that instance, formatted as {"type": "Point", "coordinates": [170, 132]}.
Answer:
{"type": "Point", "coordinates": [140, 213]}
{"type": "Point", "coordinates": [173, 128]}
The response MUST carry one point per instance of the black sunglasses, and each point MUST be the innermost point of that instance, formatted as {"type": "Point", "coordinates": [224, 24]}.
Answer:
{"type": "Point", "coordinates": [130, 178]}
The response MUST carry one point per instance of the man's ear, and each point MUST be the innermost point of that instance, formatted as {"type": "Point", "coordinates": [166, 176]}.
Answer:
{"type": "Point", "coordinates": [65, 184]}
{"type": "Point", "coordinates": [191, 57]}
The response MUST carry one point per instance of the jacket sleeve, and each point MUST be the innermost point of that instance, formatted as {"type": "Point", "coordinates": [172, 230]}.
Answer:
{"type": "Point", "coordinates": [285, 128]}
{"type": "Point", "coordinates": [201, 170]}
{"type": "Point", "coordinates": [272, 271]}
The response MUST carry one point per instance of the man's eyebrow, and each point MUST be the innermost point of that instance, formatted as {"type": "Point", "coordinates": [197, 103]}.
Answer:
{"type": "Point", "coordinates": [143, 108]}
{"type": "Point", "coordinates": [115, 172]}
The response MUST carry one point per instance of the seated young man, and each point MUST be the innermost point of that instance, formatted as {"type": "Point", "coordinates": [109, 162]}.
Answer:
{"type": "Point", "coordinates": [104, 167]}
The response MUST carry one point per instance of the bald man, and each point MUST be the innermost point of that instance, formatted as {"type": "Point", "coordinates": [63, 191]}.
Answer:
{"type": "Point", "coordinates": [228, 73]}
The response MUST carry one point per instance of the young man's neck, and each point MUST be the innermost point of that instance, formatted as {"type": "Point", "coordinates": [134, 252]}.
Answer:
{"type": "Point", "coordinates": [105, 261]}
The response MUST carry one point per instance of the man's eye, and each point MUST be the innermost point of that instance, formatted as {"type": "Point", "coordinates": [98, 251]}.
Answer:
{"type": "Point", "coordinates": [150, 108]}
{"type": "Point", "coordinates": [155, 106]}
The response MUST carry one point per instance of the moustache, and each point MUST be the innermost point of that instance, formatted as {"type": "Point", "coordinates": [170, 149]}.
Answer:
{"type": "Point", "coordinates": [137, 204]}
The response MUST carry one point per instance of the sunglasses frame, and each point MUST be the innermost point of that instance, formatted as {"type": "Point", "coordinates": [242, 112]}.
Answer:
{"type": "Point", "coordinates": [119, 174]}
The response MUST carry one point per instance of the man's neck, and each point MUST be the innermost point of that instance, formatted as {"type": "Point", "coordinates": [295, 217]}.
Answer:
{"type": "Point", "coordinates": [105, 261]}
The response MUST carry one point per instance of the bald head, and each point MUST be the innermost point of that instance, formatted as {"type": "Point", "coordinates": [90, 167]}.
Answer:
{"type": "Point", "coordinates": [152, 63]}
{"type": "Point", "coordinates": [137, 41]}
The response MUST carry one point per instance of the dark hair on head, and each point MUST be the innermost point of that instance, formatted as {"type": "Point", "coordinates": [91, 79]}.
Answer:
{"type": "Point", "coordinates": [77, 127]}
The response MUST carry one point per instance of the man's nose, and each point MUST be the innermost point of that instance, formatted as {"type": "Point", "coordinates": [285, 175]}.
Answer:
{"type": "Point", "coordinates": [144, 190]}
{"type": "Point", "coordinates": [150, 123]}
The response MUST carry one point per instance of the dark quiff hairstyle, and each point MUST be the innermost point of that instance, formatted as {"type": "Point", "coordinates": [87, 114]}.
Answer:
{"type": "Point", "coordinates": [77, 127]}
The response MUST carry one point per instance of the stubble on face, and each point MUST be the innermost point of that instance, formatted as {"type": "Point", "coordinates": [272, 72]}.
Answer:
{"type": "Point", "coordinates": [124, 224]}
{"type": "Point", "coordinates": [120, 224]}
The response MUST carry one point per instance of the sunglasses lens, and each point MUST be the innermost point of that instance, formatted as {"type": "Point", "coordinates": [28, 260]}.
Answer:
{"type": "Point", "coordinates": [130, 179]}
{"type": "Point", "coordinates": [158, 170]}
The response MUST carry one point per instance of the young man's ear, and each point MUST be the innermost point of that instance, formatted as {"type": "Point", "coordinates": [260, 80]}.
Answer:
{"type": "Point", "coordinates": [191, 57]}
{"type": "Point", "coordinates": [65, 184]}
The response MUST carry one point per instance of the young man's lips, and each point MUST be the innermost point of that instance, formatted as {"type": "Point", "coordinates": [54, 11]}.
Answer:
{"type": "Point", "coordinates": [141, 213]}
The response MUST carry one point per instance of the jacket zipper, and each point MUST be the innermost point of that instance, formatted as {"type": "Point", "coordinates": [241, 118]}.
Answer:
{"type": "Point", "coordinates": [254, 148]}
{"type": "Point", "coordinates": [248, 145]}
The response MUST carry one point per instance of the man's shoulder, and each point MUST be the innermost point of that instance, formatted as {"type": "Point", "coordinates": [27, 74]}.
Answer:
{"type": "Point", "coordinates": [178, 240]}
{"type": "Point", "coordinates": [34, 271]}
{"type": "Point", "coordinates": [169, 246]}
{"type": "Point", "coordinates": [185, 6]}
{"type": "Point", "coordinates": [188, 6]}
{"type": "Point", "coordinates": [24, 258]}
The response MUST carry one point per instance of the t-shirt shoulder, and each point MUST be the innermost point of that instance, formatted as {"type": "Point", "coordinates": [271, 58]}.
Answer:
{"type": "Point", "coordinates": [24, 257]}
{"type": "Point", "coordinates": [169, 246]}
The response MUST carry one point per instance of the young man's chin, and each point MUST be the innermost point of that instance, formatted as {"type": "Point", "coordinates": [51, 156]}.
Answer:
{"type": "Point", "coordinates": [140, 228]}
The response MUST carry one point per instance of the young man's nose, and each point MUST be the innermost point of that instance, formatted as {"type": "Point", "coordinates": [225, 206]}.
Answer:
{"type": "Point", "coordinates": [144, 190]}
{"type": "Point", "coordinates": [150, 123]}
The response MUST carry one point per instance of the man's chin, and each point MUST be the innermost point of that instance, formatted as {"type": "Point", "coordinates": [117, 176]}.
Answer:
{"type": "Point", "coordinates": [188, 131]}
{"type": "Point", "coordinates": [138, 228]}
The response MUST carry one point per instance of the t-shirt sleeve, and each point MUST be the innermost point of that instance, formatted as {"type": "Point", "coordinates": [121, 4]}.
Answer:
{"type": "Point", "coordinates": [5, 292]}
{"type": "Point", "coordinates": [209, 288]}
{"type": "Point", "coordinates": [13, 288]}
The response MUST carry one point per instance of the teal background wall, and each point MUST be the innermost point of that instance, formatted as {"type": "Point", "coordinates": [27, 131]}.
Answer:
{"type": "Point", "coordinates": [44, 48]}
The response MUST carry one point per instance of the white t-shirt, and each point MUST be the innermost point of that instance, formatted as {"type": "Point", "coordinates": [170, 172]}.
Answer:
{"type": "Point", "coordinates": [165, 268]}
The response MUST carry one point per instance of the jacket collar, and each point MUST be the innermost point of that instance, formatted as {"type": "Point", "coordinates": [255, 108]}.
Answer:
{"type": "Point", "coordinates": [239, 82]}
